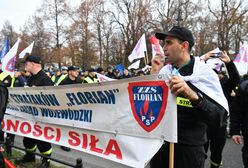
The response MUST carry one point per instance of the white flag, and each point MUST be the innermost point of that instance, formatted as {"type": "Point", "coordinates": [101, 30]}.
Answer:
{"type": "Point", "coordinates": [103, 78]}
{"type": "Point", "coordinates": [27, 50]}
{"type": "Point", "coordinates": [139, 50]}
{"type": "Point", "coordinates": [134, 65]}
{"type": "Point", "coordinates": [241, 60]}
{"type": "Point", "coordinates": [8, 62]}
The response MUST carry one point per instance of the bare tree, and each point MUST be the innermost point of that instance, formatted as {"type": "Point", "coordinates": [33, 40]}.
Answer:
{"type": "Point", "coordinates": [55, 15]}
{"type": "Point", "coordinates": [132, 17]}
{"type": "Point", "coordinates": [227, 18]}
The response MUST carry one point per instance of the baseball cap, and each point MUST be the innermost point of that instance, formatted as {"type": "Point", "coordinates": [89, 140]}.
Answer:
{"type": "Point", "coordinates": [91, 70]}
{"type": "Point", "coordinates": [72, 68]}
{"type": "Point", "coordinates": [35, 59]}
{"type": "Point", "coordinates": [181, 33]}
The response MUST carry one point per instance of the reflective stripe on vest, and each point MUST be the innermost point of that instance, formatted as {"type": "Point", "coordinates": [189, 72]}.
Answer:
{"type": "Point", "coordinates": [3, 75]}
{"type": "Point", "coordinates": [60, 80]}
{"type": "Point", "coordinates": [89, 80]}
{"type": "Point", "coordinates": [184, 102]}
{"type": "Point", "coordinates": [53, 78]}
{"type": "Point", "coordinates": [12, 82]}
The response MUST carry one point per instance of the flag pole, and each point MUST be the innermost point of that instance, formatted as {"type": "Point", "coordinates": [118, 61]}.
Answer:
{"type": "Point", "coordinates": [146, 58]}
{"type": "Point", "coordinates": [171, 156]}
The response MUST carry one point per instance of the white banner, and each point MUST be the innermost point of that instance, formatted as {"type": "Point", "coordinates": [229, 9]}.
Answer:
{"type": "Point", "coordinates": [129, 111]}
{"type": "Point", "coordinates": [123, 149]}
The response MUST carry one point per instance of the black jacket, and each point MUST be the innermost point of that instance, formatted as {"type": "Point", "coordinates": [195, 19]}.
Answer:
{"type": "Point", "coordinates": [68, 81]}
{"type": "Point", "coordinates": [239, 116]}
{"type": "Point", "coordinates": [39, 79]}
{"type": "Point", "coordinates": [229, 84]}
{"type": "Point", "coordinates": [193, 121]}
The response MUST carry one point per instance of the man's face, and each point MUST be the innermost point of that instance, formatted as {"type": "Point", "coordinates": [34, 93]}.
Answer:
{"type": "Point", "coordinates": [110, 70]}
{"type": "Point", "coordinates": [58, 73]}
{"type": "Point", "coordinates": [29, 66]}
{"type": "Point", "coordinates": [73, 73]}
{"type": "Point", "coordinates": [92, 74]}
{"type": "Point", "coordinates": [173, 49]}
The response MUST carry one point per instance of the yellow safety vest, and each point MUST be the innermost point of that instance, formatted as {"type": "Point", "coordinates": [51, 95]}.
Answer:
{"type": "Point", "coordinates": [12, 81]}
{"type": "Point", "coordinates": [53, 78]}
{"type": "Point", "coordinates": [62, 77]}
{"type": "Point", "coordinates": [3, 75]}
{"type": "Point", "coordinates": [89, 80]}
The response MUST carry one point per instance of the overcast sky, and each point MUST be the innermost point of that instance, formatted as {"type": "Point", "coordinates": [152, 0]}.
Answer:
{"type": "Point", "coordinates": [18, 11]}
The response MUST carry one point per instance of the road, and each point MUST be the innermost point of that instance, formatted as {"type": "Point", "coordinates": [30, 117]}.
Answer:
{"type": "Point", "coordinates": [231, 157]}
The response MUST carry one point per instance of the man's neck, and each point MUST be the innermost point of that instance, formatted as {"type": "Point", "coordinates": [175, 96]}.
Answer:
{"type": "Point", "coordinates": [185, 59]}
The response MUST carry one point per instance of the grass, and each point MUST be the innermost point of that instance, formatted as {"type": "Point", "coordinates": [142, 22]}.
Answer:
{"type": "Point", "coordinates": [17, 154]}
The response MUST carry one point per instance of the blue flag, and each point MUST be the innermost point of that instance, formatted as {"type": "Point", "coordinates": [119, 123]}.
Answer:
{"type": "Point", "coordinates": [5, 49]}
{"type": "Point", "coordinates": [120, 67]}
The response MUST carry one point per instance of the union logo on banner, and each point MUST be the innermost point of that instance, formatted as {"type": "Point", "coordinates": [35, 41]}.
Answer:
{"type": "Point", "coordinates": [148, 102]}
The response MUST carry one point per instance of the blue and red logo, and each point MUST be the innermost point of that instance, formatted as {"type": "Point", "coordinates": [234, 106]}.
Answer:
{"type": "Point", "coordinates": [148, 102]}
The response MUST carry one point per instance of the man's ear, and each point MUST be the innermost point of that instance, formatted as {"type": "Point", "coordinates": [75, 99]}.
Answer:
{"type": "Point", "coordinates": [185, 45]}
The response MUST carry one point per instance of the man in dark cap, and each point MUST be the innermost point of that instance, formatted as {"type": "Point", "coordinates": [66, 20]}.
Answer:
{"type": "Point", "coordinates": [38, 78]}
{"type": "Point", "coordinates": [72, 77]}
{"type": "Point", "coordinates": [91, 78]}
{"type": "Point", "coordinates": [110, 72]}
{"type": "Point", "coordinates": [204, 105]}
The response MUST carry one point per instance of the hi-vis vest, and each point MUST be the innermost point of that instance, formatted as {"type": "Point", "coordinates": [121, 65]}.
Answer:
{"type": "Point", "coordinates": [61, 78]}
{"type": "Point", "coordinates": [89, 80]}
{"type": "Point", "coordinates": [3, 75]}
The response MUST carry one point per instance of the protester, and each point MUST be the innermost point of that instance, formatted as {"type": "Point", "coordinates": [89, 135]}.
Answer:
{"type": "Point", "coordinates": [72, 77]}
{"type": "Point", "coordinates": [110, 72]}
{"type": "Point", "coordinates": [206, 101]}
{"type": "Point", "coordinates": [217, 135]}
{"type": "Point", "coordinates": [239, 120]}
{"type": "Point", "coordinates": [91, 78]}
{"type": "Point", "coordinates": [126, 74]}
{"type": "Point", "coordinates": [18, 80]}
{"type": "Point", "coordinates": [100, 70]}
{"type": "Point", "coordinates": [38, 78]}
{"type": "Point", "coordinates": [117, 74]}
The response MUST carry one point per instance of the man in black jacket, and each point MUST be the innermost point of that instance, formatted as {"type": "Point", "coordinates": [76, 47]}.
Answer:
{"type": "Point", "coordinates": [201, 109]}
{"type": "Point", "coordinates": [217, 135]}
{"type": "Point", "coordinates": [72, 77]}
{"type": "Point", "coordinates": [38, 78]}
{"type": "Point", "coordinates": [239, 120]}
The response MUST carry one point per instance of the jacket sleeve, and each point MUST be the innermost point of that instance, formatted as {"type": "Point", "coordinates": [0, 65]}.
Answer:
{"type": "Point", "coordinates": [236, 115]}
{"type": "Point", "coordinates": [234, 77]}
{"type": "Point", "coordinates": [210, 111]}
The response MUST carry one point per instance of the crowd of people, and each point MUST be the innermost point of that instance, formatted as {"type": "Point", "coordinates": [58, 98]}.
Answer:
{"type": "Point", "coordinates": [213, 98]}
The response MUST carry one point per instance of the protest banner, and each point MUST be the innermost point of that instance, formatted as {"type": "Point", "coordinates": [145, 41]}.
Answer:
{"type": "Point", "coordinates": [116, 120]}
